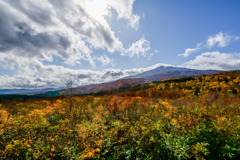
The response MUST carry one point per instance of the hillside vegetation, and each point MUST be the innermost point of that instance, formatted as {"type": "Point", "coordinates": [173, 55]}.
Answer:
{"type": "Point", "coordinates": [186, 118]}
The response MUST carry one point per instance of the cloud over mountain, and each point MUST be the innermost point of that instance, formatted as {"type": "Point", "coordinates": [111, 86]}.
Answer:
{"type": "Point", "coordinates": [215, 60]}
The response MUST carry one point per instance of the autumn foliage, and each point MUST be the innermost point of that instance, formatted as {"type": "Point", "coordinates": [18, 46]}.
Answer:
{"type": "Point", "coordinates": [197, 118]}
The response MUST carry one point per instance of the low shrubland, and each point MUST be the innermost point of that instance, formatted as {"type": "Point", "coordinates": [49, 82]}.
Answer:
{"type": "Point", "coordinates": [197, 118]}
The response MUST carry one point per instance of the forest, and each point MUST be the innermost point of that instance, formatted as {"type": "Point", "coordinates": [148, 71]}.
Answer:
{"type": "Point", "coordinates": [185, 118]}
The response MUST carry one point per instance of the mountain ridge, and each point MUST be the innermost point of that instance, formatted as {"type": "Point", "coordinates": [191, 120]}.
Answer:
{"type": "Point", "coordinates": [179, 71]}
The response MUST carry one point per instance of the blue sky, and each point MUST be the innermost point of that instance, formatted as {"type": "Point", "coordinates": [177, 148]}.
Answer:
{"type": "Point", "coordinates": [45, 43]}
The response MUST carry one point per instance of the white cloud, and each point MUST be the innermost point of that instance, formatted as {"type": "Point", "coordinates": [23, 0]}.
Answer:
{"type": "Point", "coordinates": [33, 32]}
{"type": "Point", "coordinates": [188, 51]}
{"type": "Point", "coordinates": [220, 40]}
{"type": "Point", "coordinates": [124, 8]}
{"type": "Point", "coordinates": [104, 59]}
{"type": "Point", "coordinates": [70, 29]}
{"type": "Point", "coordinates": [139, 48]}
{"type": "Point", "coordinates": [215, 60]}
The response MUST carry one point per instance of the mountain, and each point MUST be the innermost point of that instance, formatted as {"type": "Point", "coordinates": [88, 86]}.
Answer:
{"type": "Point", "coordinates": [168, 72]}
{"type": "Point", "coordinates": [157, 74]}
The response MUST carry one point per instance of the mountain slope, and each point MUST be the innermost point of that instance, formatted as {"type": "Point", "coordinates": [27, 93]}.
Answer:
{"type": "Point", "coordinates": [167, 72]}
{"type": "Point", "coordinates": [122, 83]}
{"type": "Point", "coordinates": [96, 88]}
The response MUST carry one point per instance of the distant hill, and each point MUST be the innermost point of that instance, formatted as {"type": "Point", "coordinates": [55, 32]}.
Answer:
{"type": "Point", "coordinates": [27, 91]}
